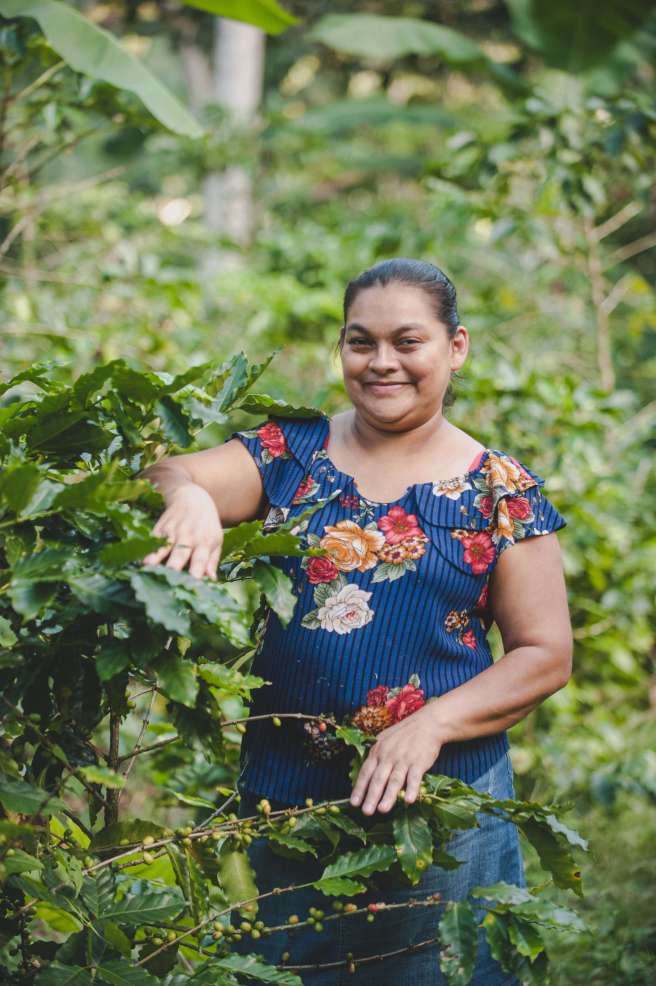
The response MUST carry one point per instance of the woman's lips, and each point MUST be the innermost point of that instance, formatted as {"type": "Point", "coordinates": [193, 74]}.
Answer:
{"type": "Point", "coordinates": [385, 388]}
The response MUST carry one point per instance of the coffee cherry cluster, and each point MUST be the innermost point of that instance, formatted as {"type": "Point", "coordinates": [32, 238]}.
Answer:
{"type": "Point", "coordinates": [159, 936]}
{"type": "Point", "coordinates": [228, 933]}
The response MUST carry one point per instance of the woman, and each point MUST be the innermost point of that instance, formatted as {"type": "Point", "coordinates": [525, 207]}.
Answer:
{"type": "Point", "coordinates": [415, 569]}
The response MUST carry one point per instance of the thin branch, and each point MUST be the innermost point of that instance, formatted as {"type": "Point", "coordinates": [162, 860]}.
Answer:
{"type": "Point", "coordinates": [43, 276]}
{"type": "Point", "coordinates": [631, 250]}
{"type": "Point", "coordinates": [625, 214]}
{"type": "Point", "coordinates": [20, 156]}
{"type": "Point", "coordinates": [222, 725]}
{"type": "Point", "coordinates": [40, 81]}
{"type": "Point", "coordinates": [616, 293]}
{"type": "Point", "coordinates": [598, 289]}
{"type": "Point", "coordinates": [144, 725]}
{"type": "Point", "coordinates": [6, 100]}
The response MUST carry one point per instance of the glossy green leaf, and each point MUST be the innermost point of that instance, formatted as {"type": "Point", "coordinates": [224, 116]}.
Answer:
{"type": "Point", "coordinates": [160, 603]}
{"type": "Point", "coordinates": [97, 774]}
{"type": "Point", "coordinates": [21, 862]}
{"type": "Point", "coordinates": [337, 886]}
{"type": "Point", "coordinates": [237, 879]}
{"type": "Point", "coordinates": [177, 679]}
{"type": "Point", "coordinates": [17, 486]}
{"type": "Point", "coordinates": [147, 907]}
{"type": "Point", "coordinates": [119, 972]}
{"type": "Point", "coordinates": [95, 52]}
{"type": "Point", "coordinates": [413, 841]}
{"type": "Point", "coordinates": [57, 974]}
{"type": "Point", "coordinates": [577, 38]}
{"type": "Point", "coordinates": [122, 553]}
{"type": "Point", "coordinates": [555, 857]}
{"type": "Point", "coordinates": [277, 589]}
{"type": "Point", "coordinates": [263, 404]}
{"type": "Point", "coordinates": [362, 862]}
{"type": "Point", "coordinates": [389, 38]}
{"type": "Point", "coordinates": [458, 932]}
{"type": "Point", "coordinates": [254, 968]}
{"type": "Point", "coordinates": [7, 636]}
{"type": "Point", "coordinates": [291, 841]}
{"type": "Point", "coordinates": [268, 15]}
{"type": "Point", "coordinates": [175, 422]}
{"type": "Point", "coordinates": [21, 796]}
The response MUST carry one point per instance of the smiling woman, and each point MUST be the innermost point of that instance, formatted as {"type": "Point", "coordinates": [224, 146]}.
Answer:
{"type": "Point", "coordinates": [390, 627]}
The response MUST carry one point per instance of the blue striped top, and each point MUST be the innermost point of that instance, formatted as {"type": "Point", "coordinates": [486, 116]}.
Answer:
{"type": "Point", "coordinates": [399, 596]}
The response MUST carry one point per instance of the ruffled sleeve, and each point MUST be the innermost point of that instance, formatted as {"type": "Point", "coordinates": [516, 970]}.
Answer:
{"type": "Point", "coordinates": [513, 502]}
{"type": "Point", "coordinates": [474, 518]}
{"type": "Point", "coordinates": [281, 449]}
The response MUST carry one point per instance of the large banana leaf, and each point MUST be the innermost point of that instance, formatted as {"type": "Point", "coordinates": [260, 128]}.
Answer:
{"type": "Point", "coordinates": [266, 14]}
{"type": "Point", "coordinates": [95, 52]}
{"type": "Point", "coordinates": [388, 38]}
{"type": "Point", "coordinates": [577, 36]}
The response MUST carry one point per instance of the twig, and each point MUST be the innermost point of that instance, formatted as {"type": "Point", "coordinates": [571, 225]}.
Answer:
{"type": "Point", "coordinates": [144, 725]}
{"type": "Point", "coordinates": [631, 250]}
{"type": "Point", "coordinates": [598, 289]}
{"type": "Point", "coordinates": [40, 81]}
{"type": "Point", "coordinates": [625, 214]}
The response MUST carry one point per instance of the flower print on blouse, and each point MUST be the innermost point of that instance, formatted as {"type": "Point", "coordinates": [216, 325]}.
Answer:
{"type": "Point", "coordinates": [391, 546]}
{"type": "Point", "coordinates": [499, 486]}
{"type": "Point", "coordinates": [396, 590]}
{"type": "Point", "coordinates": [384, 707]}
{"type": "Point", "coordinates": [273, 442]}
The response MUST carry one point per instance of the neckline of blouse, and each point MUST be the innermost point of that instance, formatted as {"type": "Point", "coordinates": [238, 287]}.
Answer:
{"type": "Point", "coordinates": [474, 467]}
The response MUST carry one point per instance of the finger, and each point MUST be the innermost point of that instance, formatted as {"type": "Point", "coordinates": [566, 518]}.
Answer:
{"type": "Point", "coordinates": [179, 558]}
{"type": "Point", "coordinates": [156, 556]}
{"type": "Point", "coordinates": [213, 562]}
{"type": "Point", "coordinates": [366, 770]}
{"type": "Point", "coordinates": [412, 784]}
{"type": "Point", "coordinates": [198, 560]}
{"type": "Point", "coordinates": [395, 782]}
{"type": "Point", "coordinates": [376, 787]}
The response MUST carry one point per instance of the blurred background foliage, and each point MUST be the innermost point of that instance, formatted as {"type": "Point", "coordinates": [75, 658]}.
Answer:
{"type": "Point", "coordinates": [512, 143]}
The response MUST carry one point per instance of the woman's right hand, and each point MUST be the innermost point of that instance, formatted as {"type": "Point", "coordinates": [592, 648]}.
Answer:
{"type": "Point", "coordinates": [193, 527]}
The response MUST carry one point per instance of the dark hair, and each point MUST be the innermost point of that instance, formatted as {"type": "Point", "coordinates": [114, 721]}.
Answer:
{"type": "Point", "coordinates": [419, 273]}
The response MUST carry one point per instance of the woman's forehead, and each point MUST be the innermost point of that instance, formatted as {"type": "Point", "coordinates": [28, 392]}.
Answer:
{"type": "Point", "coordinates": [391, 307]}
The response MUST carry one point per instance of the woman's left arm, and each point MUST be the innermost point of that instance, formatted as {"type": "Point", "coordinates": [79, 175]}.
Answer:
{"type": "Point", "coordinates": [528, 599]}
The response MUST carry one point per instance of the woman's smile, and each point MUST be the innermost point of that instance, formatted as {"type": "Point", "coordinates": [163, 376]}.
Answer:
{"type": "Point", "coordinates": [380, 387]}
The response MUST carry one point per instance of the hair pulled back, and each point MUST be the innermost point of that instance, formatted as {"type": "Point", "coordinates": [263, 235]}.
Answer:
{"type": "Point", "coordinates": [439, 289]}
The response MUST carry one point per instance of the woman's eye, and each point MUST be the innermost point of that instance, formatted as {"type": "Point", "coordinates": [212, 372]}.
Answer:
{"type": "Point", "coordinates": [411, 342]}
{"type": "Point", "coordinates": [359, 342]}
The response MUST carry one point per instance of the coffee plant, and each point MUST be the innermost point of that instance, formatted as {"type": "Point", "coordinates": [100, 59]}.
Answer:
{"type": "Point", "coordinates": [90, 892]}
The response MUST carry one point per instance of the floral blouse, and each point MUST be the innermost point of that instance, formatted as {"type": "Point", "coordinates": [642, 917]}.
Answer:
{"type": "Point", "coordinates": [397, 602]}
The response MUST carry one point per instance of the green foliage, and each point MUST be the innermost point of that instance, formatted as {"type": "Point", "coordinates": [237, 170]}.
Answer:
{"type": "Point", "coordinates": [475, 146]}
{"type": "Point", "coordinates": [265, 14]}
{"type": "Point", "coordinates": [96, 53]}
{"type": "Point", "coordinates": [83, 623]}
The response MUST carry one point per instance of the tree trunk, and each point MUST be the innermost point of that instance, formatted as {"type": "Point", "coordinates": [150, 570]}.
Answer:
{"type": "Point", "coordinates": [236, 83]}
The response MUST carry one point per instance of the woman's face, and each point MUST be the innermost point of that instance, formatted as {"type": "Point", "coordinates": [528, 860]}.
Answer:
{"type": "Point", "coordinates": [397, 357]}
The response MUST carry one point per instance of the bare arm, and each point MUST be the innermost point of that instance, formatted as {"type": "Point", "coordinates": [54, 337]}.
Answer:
{"type": "Point", "coordinates": [204, 491]}
{"type": "Point", "coordinates": [529, 605]}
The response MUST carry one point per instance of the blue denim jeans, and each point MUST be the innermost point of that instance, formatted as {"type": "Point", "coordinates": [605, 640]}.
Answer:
{"type": "Point", "coordinates": [489, 853]}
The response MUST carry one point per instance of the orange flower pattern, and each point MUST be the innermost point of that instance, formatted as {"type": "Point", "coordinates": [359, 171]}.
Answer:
{"type": "Point", "coordinates": [500, 482]}
{"type": "Point", "coordinates": [392, 547]}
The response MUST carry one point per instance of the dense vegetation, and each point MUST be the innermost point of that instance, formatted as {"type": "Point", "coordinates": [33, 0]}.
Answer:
{"type": "Point", "coordinates": [489, 137]}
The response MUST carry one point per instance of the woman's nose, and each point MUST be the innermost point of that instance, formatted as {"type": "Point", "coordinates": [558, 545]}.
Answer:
{"type": "Point", "coordinates": [383, 358]}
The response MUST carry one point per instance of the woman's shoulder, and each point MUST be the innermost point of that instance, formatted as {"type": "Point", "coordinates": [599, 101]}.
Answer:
{"type": "Point", "coordinates": [287, 437]}
{"type": "Point", "coordinates": [505, 473]}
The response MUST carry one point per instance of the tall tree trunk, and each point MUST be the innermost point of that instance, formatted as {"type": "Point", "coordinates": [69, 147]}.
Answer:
{"type": "Point", "coordinates": [236, 83]}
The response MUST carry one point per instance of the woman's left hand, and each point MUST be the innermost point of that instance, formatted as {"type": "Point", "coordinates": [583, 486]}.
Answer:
{"type": "Point", "coordinates": [399, 758]}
